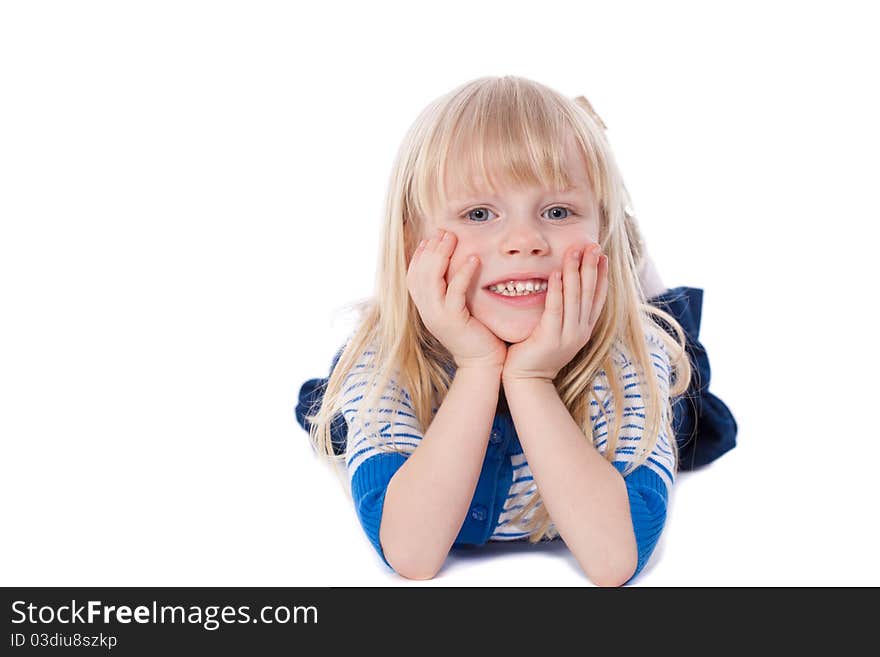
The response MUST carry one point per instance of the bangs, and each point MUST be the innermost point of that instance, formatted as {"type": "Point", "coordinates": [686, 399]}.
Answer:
{"type": "Point", "coordinates": [500, 136]}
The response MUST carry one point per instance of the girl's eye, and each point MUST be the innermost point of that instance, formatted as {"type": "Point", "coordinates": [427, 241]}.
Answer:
{"type": "Point", "coordinates": [560, 207]}
{"type": "Point", "coordinates": [481, 212]}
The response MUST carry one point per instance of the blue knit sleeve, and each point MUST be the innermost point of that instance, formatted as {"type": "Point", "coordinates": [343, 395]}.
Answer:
{"type": "Point", "coordinates": [368, 487]}
{"type": "Point", "coordinates": [649, 485]}
{"type": "Point", "coordinates": [371, 469]}
{"type": "Point", "coordinates": [648, 499]}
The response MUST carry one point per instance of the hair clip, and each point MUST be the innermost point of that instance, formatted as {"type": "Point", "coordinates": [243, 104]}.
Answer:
{"type": "Point", "coordinates": [583, 102]}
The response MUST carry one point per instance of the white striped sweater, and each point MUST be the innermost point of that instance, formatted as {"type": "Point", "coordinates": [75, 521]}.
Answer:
{"type": "Point", "coordinates": [406, 433]}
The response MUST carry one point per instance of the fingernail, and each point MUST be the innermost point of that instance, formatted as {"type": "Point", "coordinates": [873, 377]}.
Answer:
{"type": "Point", "coordinates": [576, 255]}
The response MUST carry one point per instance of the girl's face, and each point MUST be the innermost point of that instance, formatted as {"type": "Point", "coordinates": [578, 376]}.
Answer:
{"type": "Point", "coordinates": [520, 234]}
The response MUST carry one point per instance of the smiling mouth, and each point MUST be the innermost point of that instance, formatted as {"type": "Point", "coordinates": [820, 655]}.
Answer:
{"type": "Point", "coordinates": [518, 289]}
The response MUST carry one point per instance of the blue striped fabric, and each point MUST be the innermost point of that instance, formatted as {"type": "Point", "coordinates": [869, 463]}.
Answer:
{"type": "Point", "coordinates": [648, 486]}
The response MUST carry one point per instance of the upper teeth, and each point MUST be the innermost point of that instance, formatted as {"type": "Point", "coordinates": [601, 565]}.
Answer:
{"type": "Point", "coordinates": [535, 285]}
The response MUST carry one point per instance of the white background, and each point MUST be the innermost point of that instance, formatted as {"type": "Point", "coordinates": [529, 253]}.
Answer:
{"type": "Point", "coordinates": [190, 193]}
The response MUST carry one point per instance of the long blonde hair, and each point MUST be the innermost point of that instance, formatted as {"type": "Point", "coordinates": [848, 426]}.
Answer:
{"type": "Point", "coordinates": [520, 126]}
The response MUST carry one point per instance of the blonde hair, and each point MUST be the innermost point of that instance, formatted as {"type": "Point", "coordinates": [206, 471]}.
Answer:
{"type": "Point", "coordinates": [520, 126]}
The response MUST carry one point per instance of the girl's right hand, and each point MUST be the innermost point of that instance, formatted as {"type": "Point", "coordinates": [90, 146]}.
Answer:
{"type": "Point", "coordinates": [443, 308]}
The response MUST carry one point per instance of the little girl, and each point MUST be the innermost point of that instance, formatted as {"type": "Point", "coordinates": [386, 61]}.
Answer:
{"type": "Point", "coordinates": [522, 372]}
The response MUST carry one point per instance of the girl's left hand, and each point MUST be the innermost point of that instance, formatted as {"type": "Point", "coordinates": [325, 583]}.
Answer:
{"type": "Point", "coordinates": [571, 309]}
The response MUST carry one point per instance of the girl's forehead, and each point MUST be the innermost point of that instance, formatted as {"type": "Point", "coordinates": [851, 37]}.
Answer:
{"type": "Point", "coordinates": [465, 187]}
{"type": "Point", "coordinates": [478, 187]}
{"type": "Point", "coordinates": [464, 182]}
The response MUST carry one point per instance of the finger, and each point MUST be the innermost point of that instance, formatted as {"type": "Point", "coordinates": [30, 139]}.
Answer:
{"type": "Point", "coordinates": [421, 281]}
{"type": "Point", "coordinates": [552, 317]}
{"type": "Point", "coordinates": [446, 244]}
{"type": "Point", "coordinates": [571, 291]}
{"type": "Point", "coordinates": [437, 244]}
{"type": "Point", "coordinates": [601, 290]}
{"type": "Point", "coordinates": [419, 250]}
{"type": "Point", "coordinates": [589, 270]}
{"type": "Point", "coordinates": [423, 251]}
{"type": "Point", "coordinates": [436, 263]}
{"type": "Point", "coordinates": [445, 248]}
{"type": "Point", "coordinates": [434, 241]}
{"type": "Point", "coordinates": [414, 278]}
{"type": "Point", "coordinates": [456, 292]}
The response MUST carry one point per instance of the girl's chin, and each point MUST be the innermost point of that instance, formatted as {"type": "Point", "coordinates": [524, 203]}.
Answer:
{"type": "Point", "coordinates": [509, 330]}
{"type": "Point", "coordinates": [512, 335]}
